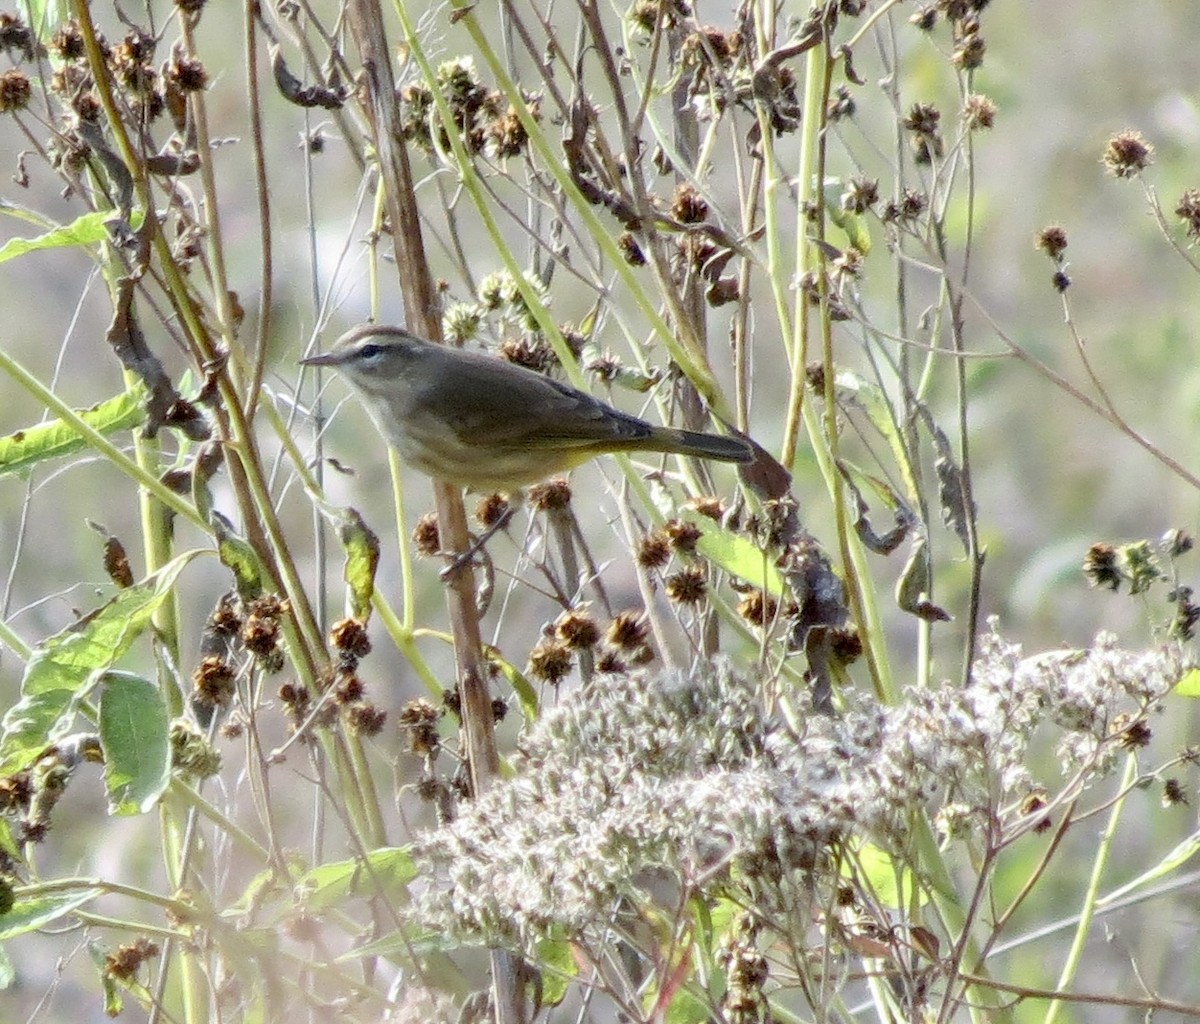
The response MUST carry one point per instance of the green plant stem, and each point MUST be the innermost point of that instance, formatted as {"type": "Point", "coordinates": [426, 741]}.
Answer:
{"type": "Point", "coordinates": [693, 365]}
{"type": "Point", "coordinates": [13, 642]}
{"type": "Point", "coordinates": [141, 476]}
{"type": "Point", "coordinates": [1092, 893]}
{"type": "Point", "coordinates": [228, 827]}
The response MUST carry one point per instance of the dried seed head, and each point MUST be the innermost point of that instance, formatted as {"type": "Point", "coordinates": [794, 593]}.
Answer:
{"type": "Point", "coordinates": [710, 506]}
{"type": "Point", "coordinates": [15, 35]}
{"type": "Point", "coordinates": [577, 629]}
{"type": "Point", "coordinates": [261, 630]}
{"type": "Point", "coordinates": [969, 53]}
{"type": "Point", "coordinates": [349, 638]}
{"type": "Point", "coordinates": [979, 112]}
{"type": "Point", "coordinates": [425, 535]}
{"type": "Point", "coordinates": [1188, 211]}
{"type": "Point", "coordinates": [1173, 794]}
{"type": "Point", "coordinates": [550, 661]}
{"type": "Point", "coordinates": [1052, 241]}
{"type": "Point", "coordinates": [187, 74]}
{"type": "Point", "coordinates": [213, 682]}
{"type": "Point", "coordinates": [924, 17]}
{"type": "Point", "coordinates": [758, 608]}
{"type": "Point", "coordinates": [366, 719]}
{"type": "Point", "coordinates": [124, 961]}
{"type": "Point", "coordinates": [15, 91]}
{"type": "Point", "coordinates": [923, 119]}
{"type": "Point", "coordinates": [630, 249]}
{"type": "Point", "coordinates": [1100, 566]}
{"type": "Point", "coordinates": [609, 662]}
{"type": "Point", "coordinates": [551, 495]}
{"type": "Point", "coordinates": [627, 631]}
{"type": "Point", "coordinates": [683, 535]}
{"type": "Point", "coordinates": [841, 105]}
{"type": "Point", "coordinates": [654, 550]}
{"type": "Point", "coordinates": [15, 793]}
{"type": "Point", "coordinates": [1128, 154]}
{"type": "Point", "coordinates": [418, 719]}
{"type": "Point", "coordinates": [846, 645]}
{"type": "Point", "coordinates": [861, 194]}
{"type": "Point", "coordinates": [116, 563]}
{"type": "Point", "coordinates": [67, 42]}
{"type": "Point", "coordinates": [688, 207]}
{"type": "Point", "coordinates": [491, 509]}
{"type": "Point", "coordinates": [507, 133]}
{"type": "Point", "coordinates": [348, 688]}
{"type": "Point", "coordinates": [688, 586]}
{"type": "Point", "coordinates": [295, 700]}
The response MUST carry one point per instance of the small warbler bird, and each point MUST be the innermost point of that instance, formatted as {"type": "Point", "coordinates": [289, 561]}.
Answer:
{"type": "Point", "coordinates": [477, 421]}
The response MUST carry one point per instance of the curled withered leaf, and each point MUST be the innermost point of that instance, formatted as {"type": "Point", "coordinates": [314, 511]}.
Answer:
{"type": "Point", "coordinates": [847, 58]}
{"type": "Point", "coordinates": [765, 475]}
{"type": "Point", "coordinates": [164, 406]}
{"type": "Point", "coordinates": [116, 561]}
{"type": "Point", "coordinates": [295, 91]}
{"type": "Point", "coordinates": [723, 290]}
{"type": "Point", "coordinates": [952, 487]}
{"type": "Point", "coordinates": [715, 265]}
{"type": "Point", "coordinates": [173, 164]}
{"type": "Point", "coordinates": [581, 170]}
{"type": "Point", "coordinates": [821, 612]}
{"type": "Point", "coordinates": [912, 589]}
{"type": "Point", "coordinates": [886, 543]}
{"type": "Point", "coordinates": [114, 167]}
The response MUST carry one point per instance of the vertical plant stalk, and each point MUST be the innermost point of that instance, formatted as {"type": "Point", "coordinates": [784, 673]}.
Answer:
{"type": "Point", "coordinates": [422, 313]}
{"type": "Point", "coordinates": [1092, 895]}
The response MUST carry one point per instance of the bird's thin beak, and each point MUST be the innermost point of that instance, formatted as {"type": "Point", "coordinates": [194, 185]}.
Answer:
{"type": "Point", "coordinates": [322, 359]}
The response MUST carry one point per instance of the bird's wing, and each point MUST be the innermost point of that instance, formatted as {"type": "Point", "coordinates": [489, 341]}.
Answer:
{"type": "Point", "coordinates": [506, 404]}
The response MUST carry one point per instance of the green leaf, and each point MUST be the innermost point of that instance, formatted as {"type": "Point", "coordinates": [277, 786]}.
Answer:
{"type": "Point", "coordinates": [1174, 860]}
{"type": "Point", "coordinates": [65, 666]}
{"type": "Point", "coordinates": [113, 1003]}
{"type": "Point", "coordinates": [687, 1007]}
{"type": "Point", "coordinates": [44, 16]}
{"type": "Point", "coordinates": [1189, 684]}
{"type": "Point", "coordinates": [135, 734]}
{"type": "Point", "coordinates": [853, 225]}
{"type": "Point", "coordinates": [32, 724]}
{"type": "Point", "coordinates": [558, 966]}
{"type": "Point", "coordinates": [362, 555]}
{"type": "Point", "coordinates": [734, 553]}
{"type": "Point", "coordinates": [31, 914]}
{"type": "Point", "coordinates": [83, 232]}
{"type": "Point", "coordinates": [65, 660]}
{"type": "Point", "coordinates": [387, 871]}
{"type": "Point", "coordinates": [852, 389]}
{"type": "Point", "coordinates": [239, 558]}
{"type": "Point", "coordinates": [522, 687]}
{"type": "Point", "coordinates": [362, 560]}
{"type": "Point", "coordinates": [891, 883]}
{"type": "Point", "coordinates": [22, 450]}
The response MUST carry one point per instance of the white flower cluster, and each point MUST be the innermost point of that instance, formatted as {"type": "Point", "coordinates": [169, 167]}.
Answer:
{"type": "Point", "coordinates": [637, 778]}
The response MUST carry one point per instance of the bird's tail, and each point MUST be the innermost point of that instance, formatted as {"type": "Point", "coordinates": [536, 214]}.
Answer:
{"type": "Point", "coordinates": [704, 446]}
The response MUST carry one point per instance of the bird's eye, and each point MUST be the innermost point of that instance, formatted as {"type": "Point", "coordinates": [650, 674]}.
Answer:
{"type": "Point", "coordinates": [370, 352]}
